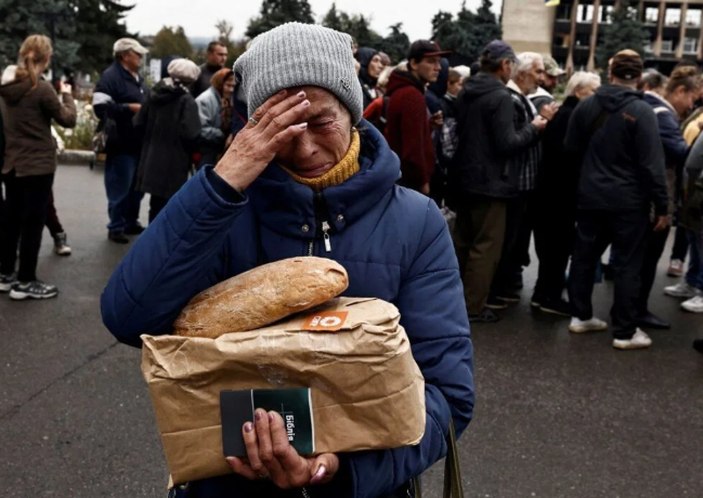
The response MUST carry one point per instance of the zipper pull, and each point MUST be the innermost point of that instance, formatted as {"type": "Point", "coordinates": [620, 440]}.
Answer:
{"type": "Point", "coordinates": [326, 236]}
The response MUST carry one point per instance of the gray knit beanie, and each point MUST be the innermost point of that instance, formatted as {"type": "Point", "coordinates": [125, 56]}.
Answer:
{"type": "Point", "coordinates": [296, 54]}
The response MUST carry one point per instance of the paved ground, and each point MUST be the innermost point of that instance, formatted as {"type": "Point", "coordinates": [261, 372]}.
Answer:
{"type": "Point", "coordinates": [557, 414]}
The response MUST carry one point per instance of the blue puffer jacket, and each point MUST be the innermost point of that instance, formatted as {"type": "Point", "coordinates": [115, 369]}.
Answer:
{"type": "Point", "coordinates": [395, 246]}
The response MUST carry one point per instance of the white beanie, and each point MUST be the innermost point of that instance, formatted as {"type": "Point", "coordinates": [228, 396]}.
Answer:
{"type": "Point", "coordinates": [296, 54]}
{"type": "Point", "coordinates": [183, 70]}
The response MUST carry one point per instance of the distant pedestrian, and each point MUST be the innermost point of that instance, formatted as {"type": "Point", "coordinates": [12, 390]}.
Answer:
{"type": "Point", "coordinates": [118, 96]}
{"type": "Point", "coordinates": [170, 126]}
{"type": "Point", "coordinates": [483, 175]}
{"type": "Point", "coordinates": [622, 175]}
{"type": "Point", "coordinates": [408, 123]}
{"type": "Point", "coordinates": [29, 166]}
{"type": "Point", "coordinates": [216, 57]}
{"type": "Point", "coordinates": [215, 109]}
{"type": "Point", "coordinates": [370, 67]}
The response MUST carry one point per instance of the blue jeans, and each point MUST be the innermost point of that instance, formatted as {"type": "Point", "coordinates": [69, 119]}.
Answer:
{"type": "Point", "coordinates": [122, 200]}
{"type": "Point", "coordinates": [694, 275]}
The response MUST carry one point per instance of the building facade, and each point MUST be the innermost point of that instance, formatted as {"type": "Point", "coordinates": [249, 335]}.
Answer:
{"type": "Point", "coordinates": [574, 29]}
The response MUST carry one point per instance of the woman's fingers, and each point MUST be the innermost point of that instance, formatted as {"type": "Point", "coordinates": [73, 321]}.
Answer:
{"type": "Point", "coordinates": [263, 109]}
{"type": "Point", "coordinates": [284, 114]}
{"type": "Point", "coordinates": [286, 455]}
{"type": "Point", "coordinates": [240, 467]}
{"type": "Point", "coordinates": [324, 467]}
{"type": "Point", "coordinates": [251, 443]}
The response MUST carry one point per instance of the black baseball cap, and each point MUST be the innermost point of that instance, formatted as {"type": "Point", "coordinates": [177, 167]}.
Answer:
{"type": "Point", "coordinates": [425, 48]}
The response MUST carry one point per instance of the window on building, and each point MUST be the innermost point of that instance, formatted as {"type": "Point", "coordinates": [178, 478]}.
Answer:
{"type": "Point", "coordinates": [667, 45]}
{"type": "Point", "coordinates": [672, 17]}
{"type": "Point", "coordinates": [693, 18]}
{"type": "Point", "coordinates": [651, 15]}
{"type": "Point", "coordinates": [606, 13]}
{"type": "Point", "coordinates": [564, 12]}
{"type": "Point", "coordinates": [690, 45]}
{"type": "Point", "coordinates": [584, 13]}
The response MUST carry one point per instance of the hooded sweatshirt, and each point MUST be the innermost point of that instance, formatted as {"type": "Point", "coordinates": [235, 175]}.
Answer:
{"type": "Point", "coordinates": [487, 139]}
{"type": "Point", "coordinates": [368, 84]}
{"type": "Point", "coordinates": [616, 133]}
{"type": "Point", "coordinates": [170, 125]}
{"type": "Point", "coordinates": [30, 149]}
{"type": "Point", "coordinates": [408, 129]}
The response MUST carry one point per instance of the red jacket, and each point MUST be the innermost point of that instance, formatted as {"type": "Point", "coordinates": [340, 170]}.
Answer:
{"type": "Point", "coordinates": [408, 129]}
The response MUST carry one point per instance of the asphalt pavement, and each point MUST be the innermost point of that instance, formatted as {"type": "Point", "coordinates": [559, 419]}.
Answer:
{"type": "Point", "coordinates": [557, 414]}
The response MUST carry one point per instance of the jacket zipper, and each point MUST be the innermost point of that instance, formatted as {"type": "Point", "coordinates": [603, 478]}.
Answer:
{"type": "Point", "coordinates": [321, 222]}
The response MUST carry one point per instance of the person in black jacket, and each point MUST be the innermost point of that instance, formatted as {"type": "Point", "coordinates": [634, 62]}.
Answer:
{"type": "Point", "coordinates": [622, 174]}
{"type": "Point", "coordinates": [555, 217]}
{"type": "Point", "coordinates": [118, 96]}
{"type": "Point", "coordinates": [170, 125]}
{"type": "Point", "coordinates": [480, 176]}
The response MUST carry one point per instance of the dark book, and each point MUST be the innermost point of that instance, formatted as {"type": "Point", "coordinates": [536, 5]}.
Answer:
{"type": "Point", "coordinates": [294, 405]}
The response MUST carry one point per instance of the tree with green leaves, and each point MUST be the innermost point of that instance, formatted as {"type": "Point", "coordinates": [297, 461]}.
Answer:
{"type": "Point", "coordinates": [624, 31]}
{"type": "Point", "coordinates": [469, 32]}
{"type": "Point", "coordinates": [83, 31]}
{"type": "Point", "coordinates": [276, 12]}
{"type": "Point", "coordinates": [171, 41]}
{"type": "Point", "coordinates": [396, 44]}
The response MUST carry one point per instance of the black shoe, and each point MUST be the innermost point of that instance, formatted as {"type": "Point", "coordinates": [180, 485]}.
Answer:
{"type": "Point", "coordinates": [698, 345]}
{"type": "Point", "coordinates": [556, 307]}
{"type": "Point", "coordinates": [536, 300]}
{"type": "Point", "coordinates": [118, 237]}
{"type": "Point", "coordinates": [495, 304]}
{"type": "Point", "coordinates": [508, 296]}
{"type": "Point", "coordinates": [486, 316]}
{"type": "Point", "coordinates": [649, 320]}
{"type": "Point", "coordinates": [134, 229]}
{"type": "Point", "coordinates": [35, 289]}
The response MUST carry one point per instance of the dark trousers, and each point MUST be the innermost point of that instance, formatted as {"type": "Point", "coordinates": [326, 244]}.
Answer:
{"type": "Point", "coordinates": [156, 204]}
{"type": "Point", "coordinates": [52, 218]}
{"type": "Point", "coordinates": [25, 206]}
{"type": "Point", "coordinates": [627, 232]}
{"type": "Point", "coordinates": [478, 241]}
{"type": "Point", "coordinates": [122, 199]}
{"type": "Point", "coordinates": [555, 230]}
{"type": "Point", "coordinates": [655, 248]}
{"type": "Point", "coordinates": [516, 244]}
{"type": "Point", "coordinates": [680, 248]}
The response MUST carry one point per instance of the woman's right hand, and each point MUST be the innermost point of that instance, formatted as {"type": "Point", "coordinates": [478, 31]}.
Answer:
{"type": "Point", "coordinates": [275, 124]}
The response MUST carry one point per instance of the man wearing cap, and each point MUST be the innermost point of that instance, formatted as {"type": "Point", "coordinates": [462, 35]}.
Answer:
{"type": "Point", "coordinates": [118, 96]}
{"type": "Point", "coordinates": [301, 179]}
{"type": "Point", "coordinates": [408, 122]}
{"type": "Point", "coordinates": [550, 79]}
{"type": "Point", "coordinates": [622, 175]}
{"type": "Point", "coordinates": [483, 175]}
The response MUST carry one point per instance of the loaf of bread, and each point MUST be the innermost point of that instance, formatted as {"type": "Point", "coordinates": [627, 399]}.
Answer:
{"type": "Point", "coordinates": [262, 296]}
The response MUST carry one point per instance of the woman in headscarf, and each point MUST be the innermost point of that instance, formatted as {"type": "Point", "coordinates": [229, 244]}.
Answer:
{"type": "Point", "coordinates": [369, 71]}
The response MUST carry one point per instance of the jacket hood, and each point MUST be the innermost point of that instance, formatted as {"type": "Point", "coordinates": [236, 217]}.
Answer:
{"type": "Point", "coordinates": [614, 97]}
{"type": "Point", "coordinates": [482, 84]}
{"type": "Point", "coordinates": [166, 91]}
{"type": "Point", "coordinates": [275, 190]}
{"type": "Point", "coordinates": [402, 79]}
{"type": "Point", "coordinates": [13, 91]}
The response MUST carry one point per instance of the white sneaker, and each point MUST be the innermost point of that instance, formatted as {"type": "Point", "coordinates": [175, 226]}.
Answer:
{"type": "Point", "coordinates": [694, 305]}
{"type": "Point", "coordinates": [639, 340]}
{"type": "Point", "coordinates": [593, 324]}
{"type": "Point", "coordinates": [682, 289]}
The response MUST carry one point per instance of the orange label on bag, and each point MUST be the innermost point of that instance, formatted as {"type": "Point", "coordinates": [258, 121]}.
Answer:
{"type": "Point", "coordinates": [325, 321]}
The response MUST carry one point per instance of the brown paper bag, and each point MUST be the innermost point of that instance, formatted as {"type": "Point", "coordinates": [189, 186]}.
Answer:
{"type": "Point", "coordinates": [367, 390]}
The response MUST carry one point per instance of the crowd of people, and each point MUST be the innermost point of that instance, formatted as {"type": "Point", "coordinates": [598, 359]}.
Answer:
{"type": "Point", "coordinates": [489, 143]}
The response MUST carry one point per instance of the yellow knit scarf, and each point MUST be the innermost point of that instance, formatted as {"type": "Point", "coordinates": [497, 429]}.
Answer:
{"type": "Point", "coordinates": [341, 172]}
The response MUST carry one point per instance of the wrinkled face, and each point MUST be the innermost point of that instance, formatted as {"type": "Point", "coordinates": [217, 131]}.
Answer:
{"type": "Point", "coordinates": [325, 141]}
{"type": "Point", "coordinates": [218, 56]}
{"type": "Point", "coordinates": [427, 70]}
{"type": "Point", "coordinates": [375, 67]}
{"type": "Point", "coordinates": [532, 78]}
{"type": "Point", "coordinates": [228, 87]}
{"type": "Point", "coordinates": [131, 60]}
